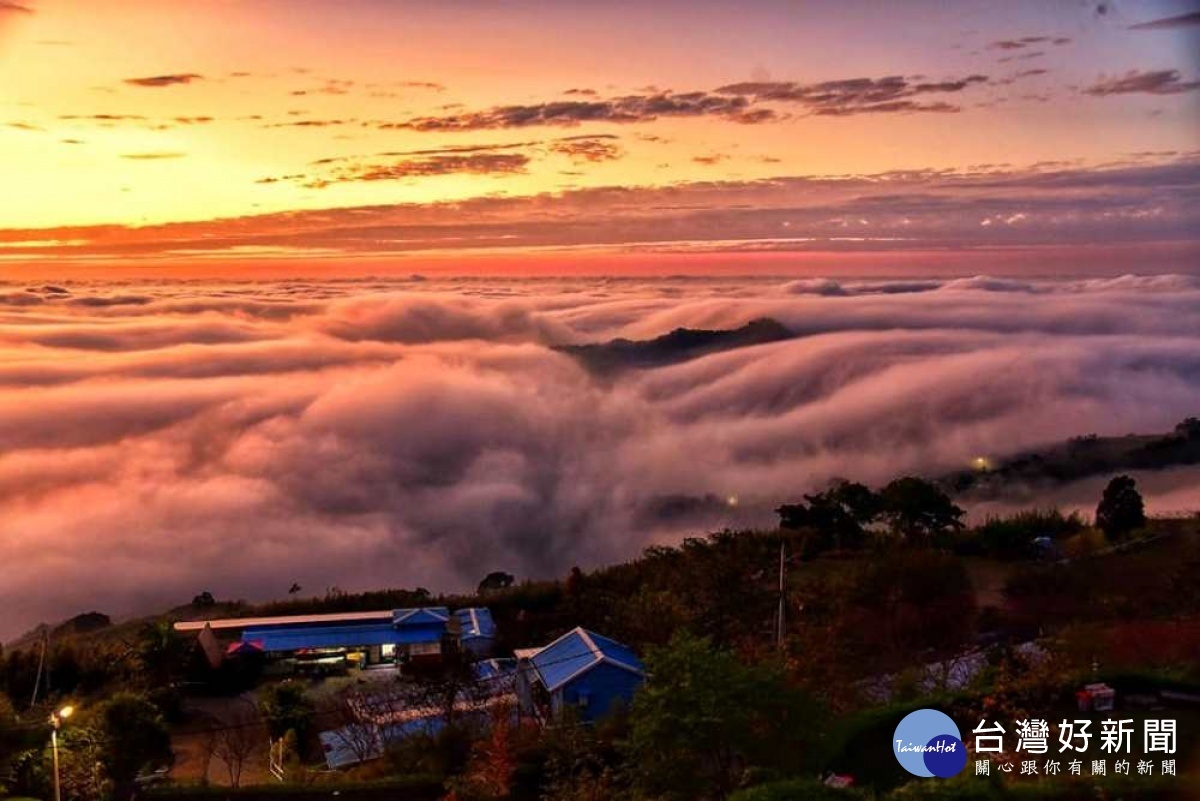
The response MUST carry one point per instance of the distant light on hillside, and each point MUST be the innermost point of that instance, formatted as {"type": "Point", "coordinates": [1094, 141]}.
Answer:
{"type": "Point", "coordinates": [981, 463]}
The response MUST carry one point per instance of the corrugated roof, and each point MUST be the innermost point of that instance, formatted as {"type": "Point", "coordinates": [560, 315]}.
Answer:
{"type": "Point", "coordinates": [494, 668]}
{"type": "Point", "coordinates": [577, 652]}
{"type": "Point", "coordinates": [276, 639]}
{"type": "Point", "coordinates": [283, 620]}
{"type": "Point", "coordinates": [476, 622]}
{"type": "Point", "coordinates": [421, 616]}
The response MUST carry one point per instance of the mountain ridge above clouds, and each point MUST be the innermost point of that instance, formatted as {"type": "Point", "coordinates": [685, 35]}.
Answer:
{"type": "Point", "coordinates": [681, 344]}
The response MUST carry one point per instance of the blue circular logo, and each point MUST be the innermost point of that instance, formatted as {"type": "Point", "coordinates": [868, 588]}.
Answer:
{"type": "Point", "coordinates": [927, 743]}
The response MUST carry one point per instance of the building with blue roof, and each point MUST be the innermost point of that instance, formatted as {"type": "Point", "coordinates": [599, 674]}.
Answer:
{"type": "Point", "coordinates": [580, 671]}
{"type": "Point", "coordinates": [477, 631]}
{"type": "Point", "coordinates": [409, 636]}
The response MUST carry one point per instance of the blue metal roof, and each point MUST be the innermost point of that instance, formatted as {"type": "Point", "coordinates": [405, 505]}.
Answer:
{"type": "Point", "coordinates": [494, 668]}
{"type": "Point", "coordinates": [421, 616]}
{"type": "Point", "coordinates": [476, 622]}
{"type": "Point", "coordinates": [577, 652]}
{"type": "Point", "coordinates": [617, 652]}
{"type": "Point", "coordinates": [295, 638]}
{"type": "Point", "coordinates": [406, 627]}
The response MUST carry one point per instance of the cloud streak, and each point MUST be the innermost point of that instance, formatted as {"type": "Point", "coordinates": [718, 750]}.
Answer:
{"type": "Point", "coordinates": [1151, 82]}
{"type": "Point", "coordinates": [158, 81]}
{"type": "Point", "coordinates": [893, 94]}
{"type": "Point", "coordinates": [748, 103]}
{"type": "Point", "coordinates": [1189, 20]}
{"type": "Point", "coordinates": [1142, 200]}
{"type": "Point", "coordinates": [570, 113]}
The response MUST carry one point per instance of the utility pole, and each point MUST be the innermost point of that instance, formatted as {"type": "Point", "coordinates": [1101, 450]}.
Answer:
{"type": "Point", "coordinates": [37, 681]}
{"type": "Point", "coordinates": [782, 592]}
{"type": "Point", "coordinates": [54, 746]}
{"type": "Point", "coordinates": [56, 719]}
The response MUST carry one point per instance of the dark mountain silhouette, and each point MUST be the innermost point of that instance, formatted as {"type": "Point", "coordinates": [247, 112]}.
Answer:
{"type": "Point", "coordinates": [1083, 457]}
{"type": "Point", "coordinates": [680, 345]}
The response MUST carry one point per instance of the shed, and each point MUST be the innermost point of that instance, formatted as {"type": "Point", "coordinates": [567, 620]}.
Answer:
{"type": "Point", "coordinates": [582, 671]}
{"type": "Point", "coordinates": [477, 632]}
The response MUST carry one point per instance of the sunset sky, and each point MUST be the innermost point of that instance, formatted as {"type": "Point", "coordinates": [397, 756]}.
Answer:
{"type": "Point", "coordinates": [557, 136]}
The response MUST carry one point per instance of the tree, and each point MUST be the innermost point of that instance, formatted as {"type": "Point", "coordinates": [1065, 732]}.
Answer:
{"type": "Point", "coordinates": [448, 685]}
{"type": "Point", "coordinates": [704, 718]}
{"type": "Point", "coordinates": [902, 605]}
{"type": "Point", "coordinates": [839, 515]}
{"type": "Point", "coordinates": [10, 733]}
{"type": "Point", "coordinates": [204, 600]}
{"type": "Point", "coordinates": [356, 728]}
{"type": "Point", "coordinates": [287, 708]}
{"type": "Point", "coordinates": [163, 652]}
{"type": "Point", "coordinates": [918, 510]}
{"type": "Point", "coordinates": [135, 738]}
{"type": "Point", "coordinates": [1121, 509]}
{"type": "Point", "coordinates": [493, 764]}
{"type": "Point", "coordinates": [235, 740]}
{"type": "Point", "coordinates": [496, 580]}
{"type": "Point", "coordinates": [81, 759]}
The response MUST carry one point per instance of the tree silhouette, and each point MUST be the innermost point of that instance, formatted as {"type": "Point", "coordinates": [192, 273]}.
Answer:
{"type": "Point", "coordinates": [1121, 509]}
{"type": "Point", "coordinates": [918, 510]}
{"type": "Point", "coordinates": [136, 737]}
{"type": "Point", "coordinates": [496, 580]}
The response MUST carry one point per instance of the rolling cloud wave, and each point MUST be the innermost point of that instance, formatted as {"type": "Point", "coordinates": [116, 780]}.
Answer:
{"type": "Point", "coordinates": [160, 439]}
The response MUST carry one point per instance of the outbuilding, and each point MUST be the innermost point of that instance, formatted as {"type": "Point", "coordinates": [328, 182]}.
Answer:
{"type": "Point", "coordinates": [581, 673]}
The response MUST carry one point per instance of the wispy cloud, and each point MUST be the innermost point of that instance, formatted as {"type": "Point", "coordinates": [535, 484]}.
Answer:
{"type": "Point", "coordinates": [589, 149]}
{"type": "Point", "coordinates": [9, 6]}
{"type": "Point", "coordinates": [165, 80]}
{"type": "Point", "coordinates": [1153, 82]}
{"type": "Point", "coordinates": [569, 113]}
{"type": "Point", "coordinates": [103, 117]}
{"type": "Point", "coordinates": [891, 94]}
{"type": "Point", "coordinates": [1182, 21]}
{"type": "Point", "coordinates": [748, 103]}
{"type": "Point", "coordinates": [1143, 200]}
{"type": "Point", "coordinates": [494, 164]}
{"type": "Point", "coordinates": [1028, 41]}
{"type": "Point", "coordinates": [153, 156]}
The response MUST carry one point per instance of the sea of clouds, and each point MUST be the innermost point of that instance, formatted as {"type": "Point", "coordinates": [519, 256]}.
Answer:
{"type": "Point", "coordinates": [159, 439]}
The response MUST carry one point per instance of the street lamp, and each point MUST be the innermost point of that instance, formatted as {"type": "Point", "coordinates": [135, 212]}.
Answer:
{"type": "Point", "coordinates": [56, 719]}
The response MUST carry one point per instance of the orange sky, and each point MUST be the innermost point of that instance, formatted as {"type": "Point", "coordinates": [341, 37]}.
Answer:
{"type": "Point", "coordinates": [134, 113]}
